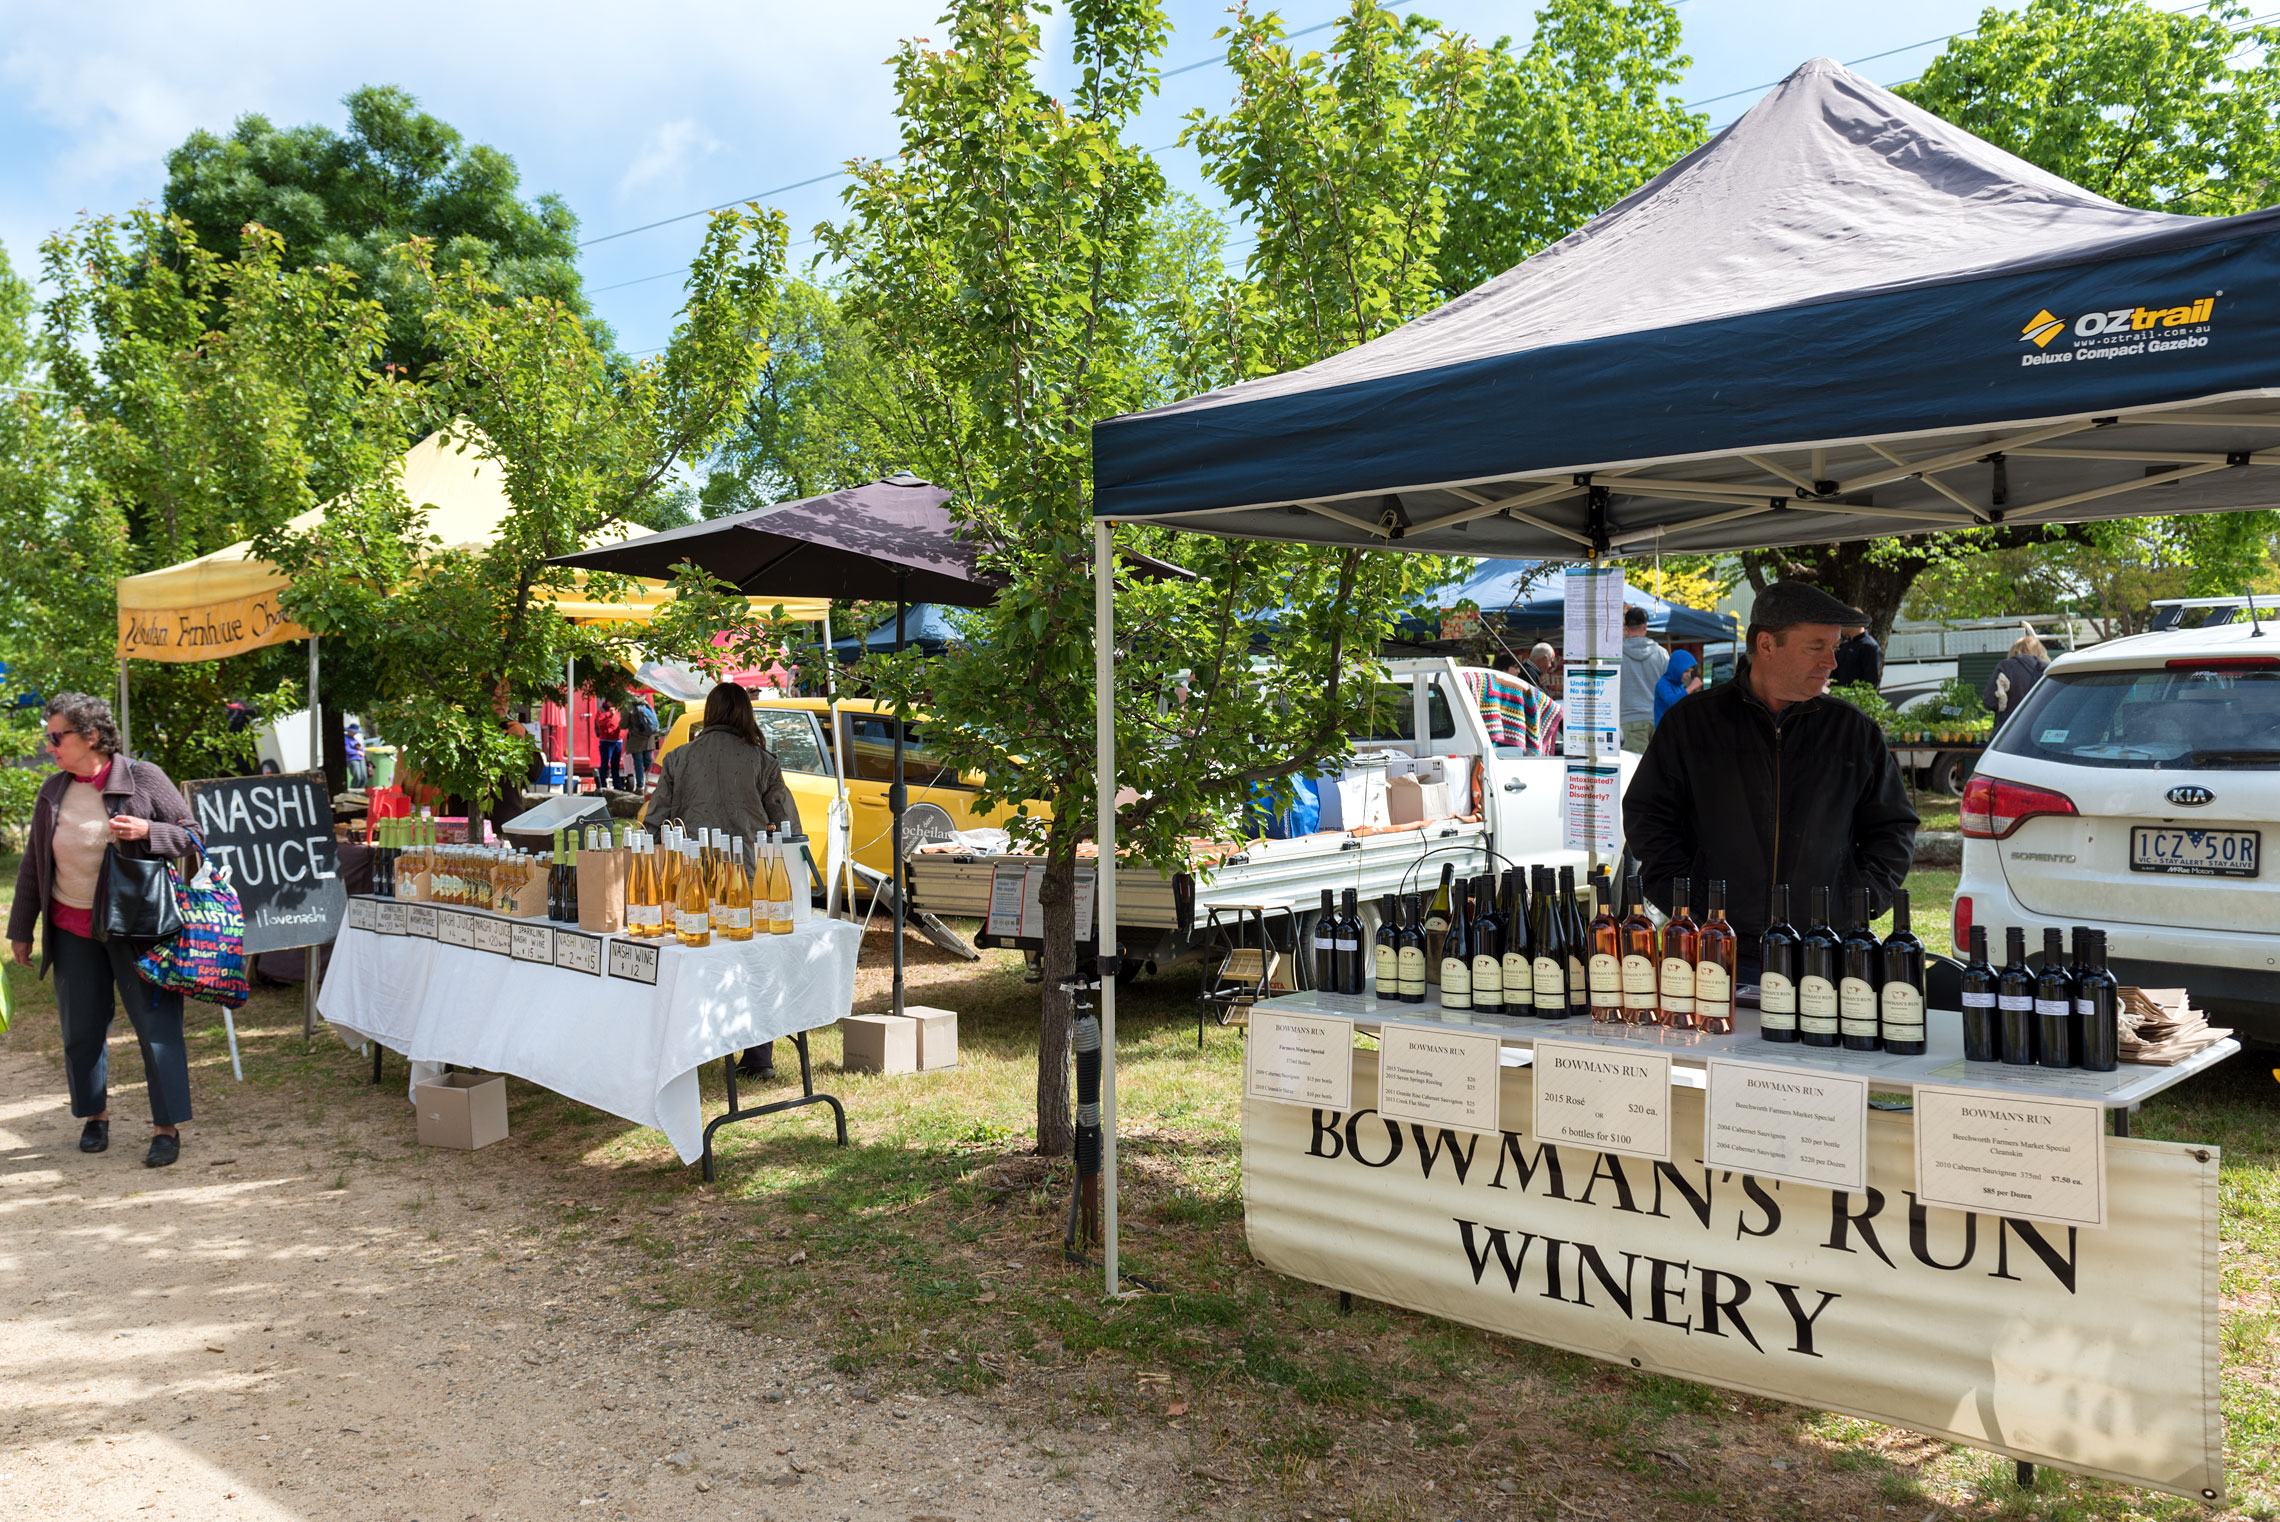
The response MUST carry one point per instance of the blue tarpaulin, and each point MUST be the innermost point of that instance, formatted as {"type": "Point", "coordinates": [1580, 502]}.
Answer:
{"type": "Point", "coordinates": [926, 625]}
{"type": "Point", "coordinates": [1840, 318]}
{"type": "Point", "coordinates": [1528, 594]}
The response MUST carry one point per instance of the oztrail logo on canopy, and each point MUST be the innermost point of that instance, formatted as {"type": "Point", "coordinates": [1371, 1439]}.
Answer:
{"type": "Point", "coordinates": [2118, 332]}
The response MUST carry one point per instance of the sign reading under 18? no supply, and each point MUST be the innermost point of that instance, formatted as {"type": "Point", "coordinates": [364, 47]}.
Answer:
{"type": "Point", "coordinates": [274, 834]}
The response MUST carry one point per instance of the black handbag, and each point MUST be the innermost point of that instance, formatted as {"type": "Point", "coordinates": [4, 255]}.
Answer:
{"type": "Point", "coordinates": [139, 903]}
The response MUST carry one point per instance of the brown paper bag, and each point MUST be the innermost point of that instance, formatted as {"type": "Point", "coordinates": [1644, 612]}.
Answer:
{"type": "Point", "coordinates": [528, 902]}
{"type": "Point", "coordinates": [602, 879]}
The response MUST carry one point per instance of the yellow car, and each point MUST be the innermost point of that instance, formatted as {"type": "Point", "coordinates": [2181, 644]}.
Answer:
{"type": "Point", "coordinates": [798, 732]}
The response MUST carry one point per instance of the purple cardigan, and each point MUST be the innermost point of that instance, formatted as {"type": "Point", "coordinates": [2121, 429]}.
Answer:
{"type": "Point", "coordinates": [134, 787]}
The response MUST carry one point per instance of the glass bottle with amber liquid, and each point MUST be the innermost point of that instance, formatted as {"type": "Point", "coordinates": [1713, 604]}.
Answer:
{"type": "Point", "coordinates": [1714, 966]}
{"type": "Point", "coordinates": [735, 917]}
{"type": "Point", "coordinates": [1900, 1002]}
{"type": "Point", "coordinates": [1681, 949]}
{"type": "Point", "coordinates": [1487, 948]}
{"type": "Point", "coordinates": [1820, 950]}
{"type": "Point", "coordinates": [1779, 969]}
{"type": "Point", "coordinates": [1409, 952]}
{"type": "Point", "coordinates": [1605, 968]}
{"type": "Point", "coordinates": [1637, 937]}
{"type": "Point", "coordinates": [692, 914]}
{"type": "Point", "coordinates": [1519, 948]}
{"type": "Point", "coordinates": [1859, 972]}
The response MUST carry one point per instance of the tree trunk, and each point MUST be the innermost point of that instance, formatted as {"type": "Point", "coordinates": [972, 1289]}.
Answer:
{"type": "Point", "coordinates": [1877, 585]}
{"type": "Point", "coordinates": [334, 725]}
{"type": "Point", "coordinates": [1057, 897]}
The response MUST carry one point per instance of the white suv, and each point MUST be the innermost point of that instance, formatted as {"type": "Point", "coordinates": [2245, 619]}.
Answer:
{"type": "Point", "coordinates": [2137, 791]}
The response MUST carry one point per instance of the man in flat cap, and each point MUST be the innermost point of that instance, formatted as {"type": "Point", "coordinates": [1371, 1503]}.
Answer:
{"type": "Point", "coordinates": [1766, 779]}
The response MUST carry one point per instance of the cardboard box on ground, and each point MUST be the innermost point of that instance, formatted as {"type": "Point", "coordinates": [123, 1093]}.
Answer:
{"type": "Point", "coordinates": [920, 1040]}
{"type": "Point", "coordinates": [463, 1110]}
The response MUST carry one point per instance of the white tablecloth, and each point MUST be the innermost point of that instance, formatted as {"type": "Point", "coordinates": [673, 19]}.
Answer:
{"type": "Point", "coordinates": [621, 1046]}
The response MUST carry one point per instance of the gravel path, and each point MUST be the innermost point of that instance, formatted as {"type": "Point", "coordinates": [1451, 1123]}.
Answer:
{"type": "Point", "coordinates": [236, 1337]}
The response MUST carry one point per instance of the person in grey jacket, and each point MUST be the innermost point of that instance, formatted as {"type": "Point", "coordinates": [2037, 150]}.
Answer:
{"type": "Point", "coordinates": [100, 802]}
{"type": "Point", "coordinates": [725, 779]}
{"type": "Point", "coordinates": [1644, 663]}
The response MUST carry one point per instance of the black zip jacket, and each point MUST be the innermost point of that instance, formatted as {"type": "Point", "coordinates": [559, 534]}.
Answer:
{"type": "Point", "coordinates": [1812, 799]}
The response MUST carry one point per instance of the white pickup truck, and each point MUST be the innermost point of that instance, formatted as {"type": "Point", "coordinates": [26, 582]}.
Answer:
{"type": "Point", "coordinates": [1160, 917]}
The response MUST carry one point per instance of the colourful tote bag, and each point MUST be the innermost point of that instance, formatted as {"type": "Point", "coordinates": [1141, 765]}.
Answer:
{"type": "Point", "coordinates": [207, 960]}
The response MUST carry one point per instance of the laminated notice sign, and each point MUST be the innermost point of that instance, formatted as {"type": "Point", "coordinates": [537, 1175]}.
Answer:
{"type": "Point", "coordinates": [1590, 722]}
{"type": "Point", "coordinates": [1017, 910]}
{"type": "Point", "coordinates": [1594, 807]}
{"type": "Point", "coordinates": [1299, 1059]}
{"type": "Point", "coordinates": [1005, 898]}
{"type": "Point", "coordinates": [2032, 1159]}
{"type": "Point", "coordinates": [1434, 1076]}
{"type": "Point", "coordinates": [1779, 1122]}
{"type": "Point", "coordinates": [1594, 617]}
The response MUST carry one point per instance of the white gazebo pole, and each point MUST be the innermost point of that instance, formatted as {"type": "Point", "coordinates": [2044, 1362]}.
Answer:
{"type": "Point", "coordinates": [840, 865]}
{"type": "Point", "coordinates": [126, 730]}
{"type": "Point", "coordinates": [317, 765]}
{"type": "Point", "coordinates": [1104, 891]}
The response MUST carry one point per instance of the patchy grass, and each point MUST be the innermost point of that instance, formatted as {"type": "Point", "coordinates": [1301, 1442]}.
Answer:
{"type": "Point", "coordinates": [927, 1256]}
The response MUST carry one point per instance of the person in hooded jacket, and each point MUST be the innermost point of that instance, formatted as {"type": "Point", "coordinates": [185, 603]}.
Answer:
{"type": "Point", "coordinates": [1644, 662]}
{"type": "Point", "coordinates": [1681, 678]}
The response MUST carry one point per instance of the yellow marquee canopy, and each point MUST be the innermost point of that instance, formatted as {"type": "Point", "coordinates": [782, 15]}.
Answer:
{"type": "Point", "coordinates": [226, 603]}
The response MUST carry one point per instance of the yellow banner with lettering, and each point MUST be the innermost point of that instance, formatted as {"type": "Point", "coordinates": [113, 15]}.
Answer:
{"type": "Point", "coordinates": [206, 633]}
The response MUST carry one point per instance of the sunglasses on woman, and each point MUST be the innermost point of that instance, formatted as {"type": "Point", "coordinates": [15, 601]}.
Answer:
{"type": "Point", "coordinates": [58, 736]}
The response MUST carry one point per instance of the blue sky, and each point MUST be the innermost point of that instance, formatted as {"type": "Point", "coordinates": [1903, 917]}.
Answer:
{"type": "Point", "coordinates": [636, 113]}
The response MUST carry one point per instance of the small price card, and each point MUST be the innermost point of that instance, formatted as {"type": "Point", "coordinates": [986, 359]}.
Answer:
{"type": "Point", "coordinates": [1436, 1076]}
{"type": "Point", "coordinates": [1608, 1098]}
{"type": "Point", "coordinates": [578, 951]}
{"type": "Point", "coordinates": [455, 929]}
{"type": "Point", "coordinates": [2038, 1159]}
{"type": "Point", "coordinates": [531, 943]}
{"type": "Point", "coordinates": [1777, 1122]}
{"type": "Point", "coordinates": [491, 935]}
{"type": "Point", "coordinates": [390, 918]}
{"type": "Point", "coordinates": [1301, 1060]}
{"type": "Point", "coordinates": [633, 961]}
{"type": "Point", "coordinates": [419, 920]}
{"type": "Point", "coordinates": [363, 914]}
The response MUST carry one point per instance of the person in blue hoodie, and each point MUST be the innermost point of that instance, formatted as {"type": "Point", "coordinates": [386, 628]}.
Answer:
{"type": "Point", "coordinates": [1682, 676]}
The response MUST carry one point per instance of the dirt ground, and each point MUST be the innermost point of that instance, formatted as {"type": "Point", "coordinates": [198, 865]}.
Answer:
{"type": "Point", "coordinates": [248, 1336]}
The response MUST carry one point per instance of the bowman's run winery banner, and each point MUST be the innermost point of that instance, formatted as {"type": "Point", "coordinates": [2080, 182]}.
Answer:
{"type": "Point", "coordinates": [2095, 1350]}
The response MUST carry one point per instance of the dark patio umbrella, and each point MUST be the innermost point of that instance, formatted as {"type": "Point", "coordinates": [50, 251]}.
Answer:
{"type": "Point", "coordinates": [891, 538]}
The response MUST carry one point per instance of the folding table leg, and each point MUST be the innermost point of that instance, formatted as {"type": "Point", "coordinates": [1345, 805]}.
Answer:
{"type": "Point", "coordinates": [229, 1024]}
{"type": "Point", "coordinates": [807, 1096]}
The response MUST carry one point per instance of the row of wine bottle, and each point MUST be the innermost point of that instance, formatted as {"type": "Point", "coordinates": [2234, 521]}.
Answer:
{"type": "Point", "coordinates": [2068, 1015]}
{"type": "Point", "coordinates": [1851, 990]}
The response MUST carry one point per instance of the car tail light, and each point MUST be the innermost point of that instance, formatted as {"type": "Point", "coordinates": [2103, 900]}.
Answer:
{"type": "Point", "coordinates": [1993, 808]}
{"type": "Point", "coordinates": [2225, 663]}
{"type": "Point", "coordinates": [1963, 925]}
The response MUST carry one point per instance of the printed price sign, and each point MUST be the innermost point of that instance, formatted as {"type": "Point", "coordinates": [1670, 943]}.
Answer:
{"type": "Point", "coordinates": [491, 935]}
{"type": "Point", "coordinates": [578, 951]}
{"type": "Point", "coordinates": [419, 920]}
{"type": "Point", "coordinates": [1776, 1122]}
{"type": "Point", "coordinates": [1435, 1076]}
{"type": "Point", "coordinates": [531, 943]}
{"type": "Point", "coordinates": [1607, 1098]}
{"type": "Point", "coordinates": [1301, 1060]}
{"type": "Point", "coordinates": [633, 962]}
{"type": "Point", "coordinates": [390, 918]}
{"type": "Point", "coordinates": [454, 929]}
{"type": "Point", "coordinates": [2004, 1154]}
{"type": "Point", "coordinates": [363, 914]}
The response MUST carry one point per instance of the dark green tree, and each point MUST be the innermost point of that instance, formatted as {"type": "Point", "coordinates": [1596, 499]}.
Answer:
{"type": "Point", "coordinates": [348, 197]}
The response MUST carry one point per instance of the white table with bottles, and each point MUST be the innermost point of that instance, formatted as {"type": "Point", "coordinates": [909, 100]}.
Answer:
{"type": "Point", "coordinates": [618, 1019]}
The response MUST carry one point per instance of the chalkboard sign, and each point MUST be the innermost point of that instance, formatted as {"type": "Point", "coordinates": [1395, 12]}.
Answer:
{"type": "Point", "coordinates": [275, 835]}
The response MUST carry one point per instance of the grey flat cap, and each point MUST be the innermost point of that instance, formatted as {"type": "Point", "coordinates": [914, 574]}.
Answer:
{"type": "Point", "coordinates": [1800, 602]}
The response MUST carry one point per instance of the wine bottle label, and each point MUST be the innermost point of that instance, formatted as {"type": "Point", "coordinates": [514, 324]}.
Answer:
{"type": "Point", "coordinates": [1903, 1012]}
{"type": "Point", "coordinates": [1777, 1002]}
{"type": "Point", "coordinates": [1678, 985]}
{"type": "Point", "coordinates": [1816, 1005]}
{"type": "Point", "coordinates": [1325, 943]}
{"type": "Point", "coordinates": [1606, 980]}
{"type": "Point", "coordinates": [1519, 982]}
{"type": "Point", "coordinates": [1575, 980]}
{"type": "Point", "coordinates": [1456, 983]}
{"type": "Point", "coordinates": [1349, 945]}
{"type": "Point", "coordinates": [644, 916]}
{"type": "Point", "coordinates": [2086, 1006]}
{"type": "Point", "coordinates": [1638, 982]}
{"type": "Point", "coordinates": [1411, 961]}
{"type": "Point", "coordinates": [692, 922]}
{"type": "Point", "coordinates": [1488, 980]}
{"type": "Point", "coordinates": [2056, 1008]}
{"type": "Point", "coordinates": [779, 910]}
{"type": "Point", "coordinates": [1856, 1006]}
{"type": "Point", "coordinates": [732, 919]}
{"type": "Point", "coordinates": [1551, 984]}
{"type": "Point", "coordinates": [1436, 924]}
{"type": "Point", "coordinates": [1713, 988]}
{"type": "Point", "coordinates": [1978, 1001]}
{"type": "Point", "coordinates": [2018, 1003]}
{"type": "Point", "coordinates": [1387, 965]}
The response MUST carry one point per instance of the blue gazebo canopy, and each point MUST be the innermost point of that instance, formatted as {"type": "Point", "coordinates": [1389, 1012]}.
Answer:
{"type": "Point", "coordinates": [926, 625]}
{"type": "Point", "coordinates": [1526, 594]}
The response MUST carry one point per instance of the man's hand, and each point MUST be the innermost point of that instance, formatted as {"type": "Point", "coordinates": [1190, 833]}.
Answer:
{"type": "Point", "coordinates": [22, 952]}
{"type": "Point", "coordinates": [128, 827]}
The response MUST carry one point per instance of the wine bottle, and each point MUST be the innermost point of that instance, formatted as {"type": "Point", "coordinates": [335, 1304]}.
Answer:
{"type": "Point", "coordinates": [1349, 948]}
{"type": "Point", "coordinates": [1859, 972]}
{"type": "Point", "coordinates": [1437, 923]}
{"type": "Point", "coordinates": [1780, 970]}
{"type": "Point", "coordinates": [735, 921]}
{"type": "Point", "coordinates": [554, 876]}
{"type": "Point", "coordinates": [2015, 999]}
{"type": "Point", "coordinates": [1982, 1038]}
{"type": "Point", "coordinates": [2098, 1004]}
{"type": "Point", "coordinates": [2077, 969]}
{"type": "Point", "coordinates": [1551, 953]}
{"type": "Point", "coordinates": [1456, 954]}
{"type": "Point", "coordinates": [1900, 1002]}
{"type": "Point", "coordinates": [1605, 968]}
{"type": "Point", "coordinates": [1487, 948]}
{"type": "Point", "coordinates": [1637, 936]}
{"type": "Point", "coordinates": [692, 917]}
{"type": "Point", "coordinates": [2054, 1004]}
{"type": "Point", "coordinates": [1519, 948]}
{"type": "Point", "coordinates": [1385, 952]}
{"type": "Point", "coordinates": [1819, 952]}
{"type": "Point", "coordinates": [1326, 946]}
{"type": "Point", "coordinates": [1578, 948]}
{"type": "Point", "coordinates": [1409, 951]}
{"type": "Point", "coordinates": [570, 882]}
{"type": "Point", "coordinates": [1714, 967]}
{"type": "Point", "coordinates": [1681, 949]}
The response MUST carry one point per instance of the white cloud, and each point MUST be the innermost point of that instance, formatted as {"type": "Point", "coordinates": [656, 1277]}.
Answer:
{"type": "Point", "coordinates": [666, 157]}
